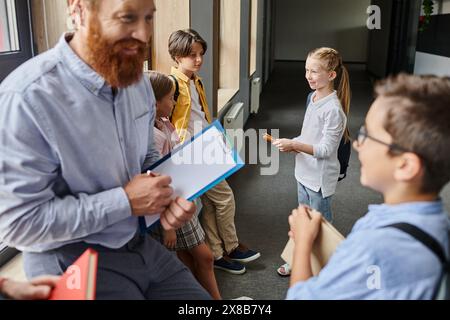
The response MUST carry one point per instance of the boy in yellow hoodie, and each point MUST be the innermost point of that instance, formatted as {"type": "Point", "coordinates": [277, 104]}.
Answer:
{"type": "Point", "coordinates": [190, 116]}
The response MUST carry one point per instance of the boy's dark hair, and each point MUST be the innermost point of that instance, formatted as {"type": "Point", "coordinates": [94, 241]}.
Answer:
{"type": "Point", "coordinates": [181, 41]}
{"type": "Point", "coordinates": [418, 120]}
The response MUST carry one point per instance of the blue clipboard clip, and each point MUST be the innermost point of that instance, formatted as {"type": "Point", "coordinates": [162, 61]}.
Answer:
{"type": "Point", "coordinates": [228, 149]}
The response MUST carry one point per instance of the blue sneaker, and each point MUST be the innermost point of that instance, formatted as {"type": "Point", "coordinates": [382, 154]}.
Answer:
{"type": "Point", "coordinates": [243, 254]}
{"type": "Point", "coordinates": [229, 265]}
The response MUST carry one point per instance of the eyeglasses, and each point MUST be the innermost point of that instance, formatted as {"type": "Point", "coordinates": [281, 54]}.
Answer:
{"type": "Point", "coordinates": [363, 135]}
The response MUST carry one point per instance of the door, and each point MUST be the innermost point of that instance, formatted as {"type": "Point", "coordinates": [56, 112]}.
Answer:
{"type": "Point", "coordinates": [15, 35]}
{"type": "Point", "coordinates": [15, 49]}
{"type": "Point", "coordinates": [392, 49]}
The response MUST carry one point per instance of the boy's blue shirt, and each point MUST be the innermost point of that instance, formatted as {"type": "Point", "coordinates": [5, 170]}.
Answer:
{"type": "Point", "coordinates": [375, 262]}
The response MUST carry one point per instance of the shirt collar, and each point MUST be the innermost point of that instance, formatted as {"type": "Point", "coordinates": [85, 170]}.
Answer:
{"type": "Point", "coordinates": [180, 75]}
{"type": "Point", "coordinates": [324, 100]}
{"type": "Point", "coordinates": [385, 214]}
{"type": "Point", "coordinates": [80, 69]}
{"type": "Point", "coordinates": [420, 207]}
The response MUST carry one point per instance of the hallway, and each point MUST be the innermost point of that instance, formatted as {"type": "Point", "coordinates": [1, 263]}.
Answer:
{"type": "Point", "coordinates": [264, 202]}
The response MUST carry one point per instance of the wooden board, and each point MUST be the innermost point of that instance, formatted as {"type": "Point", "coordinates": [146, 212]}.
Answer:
{"type": "Point", "coordinates": [171, 15]}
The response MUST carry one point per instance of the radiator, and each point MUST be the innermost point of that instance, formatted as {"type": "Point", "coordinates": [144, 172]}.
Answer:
{"type": "Point", "coordinates": [234, 124]}
{"type": "Point", "coordinates": [255, 93]}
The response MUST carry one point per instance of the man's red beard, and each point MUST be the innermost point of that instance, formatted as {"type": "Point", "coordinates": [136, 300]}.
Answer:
{"type": "Point", "coordinates": [108, 60]}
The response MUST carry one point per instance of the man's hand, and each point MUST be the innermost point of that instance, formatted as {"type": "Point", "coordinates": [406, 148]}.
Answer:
{"type": "Point", "coordinates": [149, 194]}
{"type": "Point", "coordinates": [177, 214]}
{"type": "Point", "coordinates": [37, 289]}
{"type": "Point", "coordinates": [305, 225]}
{"type": "Point", "coordinates": [285, 145]}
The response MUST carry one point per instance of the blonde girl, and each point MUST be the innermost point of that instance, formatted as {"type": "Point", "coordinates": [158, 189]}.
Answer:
{"type": "Point", "coordinates": [317, 166]}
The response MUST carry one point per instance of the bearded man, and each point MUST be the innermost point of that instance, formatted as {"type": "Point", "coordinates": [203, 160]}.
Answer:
{"type": "Point", "coordinates": [76, 136]}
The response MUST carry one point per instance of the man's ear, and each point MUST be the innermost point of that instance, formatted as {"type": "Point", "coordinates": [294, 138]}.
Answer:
{"type": "Point", "coordinates": [408, 167]}
{"type": "Point", "coordinates": [77, 11]}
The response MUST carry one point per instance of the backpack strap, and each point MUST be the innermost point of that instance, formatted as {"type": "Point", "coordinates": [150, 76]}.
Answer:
{"type": "Point", "coordinates": [422, 237]}
{"type": "Point", "coordinates": [201, 84]}
{"type": "Point", "coordinates": [176, 95]}
{"type": "Point", "coordinates": [429, 242]}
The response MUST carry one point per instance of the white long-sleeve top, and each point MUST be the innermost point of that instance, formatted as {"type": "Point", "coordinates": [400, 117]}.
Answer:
{"type": "Point", "coordinates": [323, 128]}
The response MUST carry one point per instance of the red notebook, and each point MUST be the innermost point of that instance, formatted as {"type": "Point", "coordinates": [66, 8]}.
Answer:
{"type": "Point", "coordinates": [79, 280]}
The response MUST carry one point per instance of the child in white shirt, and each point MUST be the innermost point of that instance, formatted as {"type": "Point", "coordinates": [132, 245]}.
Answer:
{"type": "Point", "coordinates": [317, 166]}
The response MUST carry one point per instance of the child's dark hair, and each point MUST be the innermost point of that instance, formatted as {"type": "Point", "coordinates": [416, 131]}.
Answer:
{"type": "Point", "coordinates": [162, 84]}
{"type": "Point", "coordinates": [181, 41]}
{"type": "Point", "coordinates": [333, 62]}
{"type": "Point", "coordinates": [418, 119]}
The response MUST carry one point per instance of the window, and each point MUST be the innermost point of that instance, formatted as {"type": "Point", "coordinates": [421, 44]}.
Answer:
{"type": "Point", "coordinates": [15, 49]}
{"type": "Point", "coordinates": [253, 35]}
{"type": "Point", "coordinates": [9, 38]}
{"type": "Point", "coordinates": [15, 35]}
{"type": "Point", "coordinates": [229, 50]}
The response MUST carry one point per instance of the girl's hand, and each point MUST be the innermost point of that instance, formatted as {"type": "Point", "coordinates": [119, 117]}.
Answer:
{"type": "Point", "coordinates": [285, 145]}
{"type": "Point", "coordinates": [170, 238]}
{"type": "Point", "coordinates": [305, 225]}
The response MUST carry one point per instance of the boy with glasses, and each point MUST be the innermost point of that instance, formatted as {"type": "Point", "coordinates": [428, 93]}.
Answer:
{"type": "Point", "coordinates": [399, 249]}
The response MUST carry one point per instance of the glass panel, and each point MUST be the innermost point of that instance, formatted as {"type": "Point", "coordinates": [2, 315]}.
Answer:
{"type": "Point", "coordinates": [9, 37]}
{"type": "Point", "coordinates": [253, 35]}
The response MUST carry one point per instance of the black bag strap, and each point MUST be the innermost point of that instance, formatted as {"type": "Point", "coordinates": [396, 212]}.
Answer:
{"type": "Point", "coordinates": [201, 84]}
{"type": "Point", "coordinates": [176, 95]}
{"type": "Point", "coordinates": [422, 237]}
{"type": "Point", "coordinates": [431, 244]}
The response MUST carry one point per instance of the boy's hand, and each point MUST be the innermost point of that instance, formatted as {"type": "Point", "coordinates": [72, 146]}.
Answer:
{"type": "Point", "coordinates": [284, 145]}
{"type": "Point", "coordinates": [305, 225]}
{"type": "Point", "coordinates": [170, 238]}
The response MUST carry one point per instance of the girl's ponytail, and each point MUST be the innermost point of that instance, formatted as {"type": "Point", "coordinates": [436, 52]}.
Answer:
{"type": "Point", "coordinates": [344, 95]}
{"type": "Point", "coordinates": [333, 62]}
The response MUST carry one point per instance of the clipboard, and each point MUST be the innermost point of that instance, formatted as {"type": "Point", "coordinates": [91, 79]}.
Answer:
{"type": "Point", "coordinates": [327, 241]}
{"type": "Point", "coordinates": [199, 165]}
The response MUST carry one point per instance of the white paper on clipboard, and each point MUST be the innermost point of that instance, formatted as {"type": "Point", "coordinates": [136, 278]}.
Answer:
{"type": "Point", "coordinates": [198, 166]}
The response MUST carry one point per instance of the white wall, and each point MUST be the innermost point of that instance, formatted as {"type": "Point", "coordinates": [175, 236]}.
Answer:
{"type": "Point", "coordinates": [432, 64]}
{"type": "Point", "coordinates": [445, 6]}
{"type": "Point", "coordinates": [304, 25]}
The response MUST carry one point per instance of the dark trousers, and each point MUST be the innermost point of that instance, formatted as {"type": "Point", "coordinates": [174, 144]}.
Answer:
{"type": "Point", "coordinates": [141, 270]}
